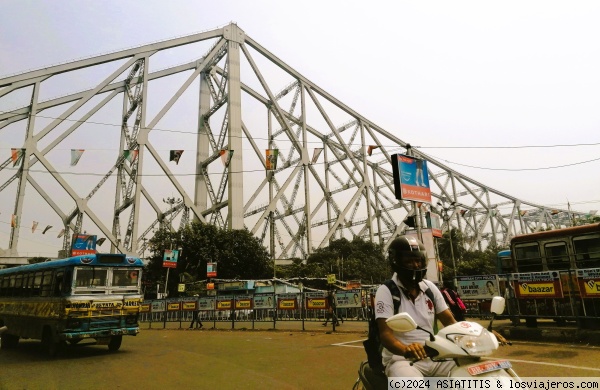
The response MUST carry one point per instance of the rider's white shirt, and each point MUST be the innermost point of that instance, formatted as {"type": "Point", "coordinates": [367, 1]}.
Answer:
{"type": "Point", "coordinates": [421, 311]}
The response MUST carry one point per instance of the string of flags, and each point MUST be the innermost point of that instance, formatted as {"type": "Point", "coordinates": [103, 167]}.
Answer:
{"type": "Point", "coordinates": [226, 157]}
{"type": "Point", "coordinates": [175, 155]}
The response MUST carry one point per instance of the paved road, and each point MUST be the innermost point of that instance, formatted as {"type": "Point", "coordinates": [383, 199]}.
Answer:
{"type": "Point", "coordinates": [223, 359]}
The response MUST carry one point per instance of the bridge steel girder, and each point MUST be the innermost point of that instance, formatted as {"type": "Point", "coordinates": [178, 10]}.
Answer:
{"type": "Point", "coordinates": [254, 101]}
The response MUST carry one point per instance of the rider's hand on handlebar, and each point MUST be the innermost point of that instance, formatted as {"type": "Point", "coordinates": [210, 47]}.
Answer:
{"type": "Point", "coordinates": [415, 351]}
{"type": "Point", "coordinates": [501, 338]}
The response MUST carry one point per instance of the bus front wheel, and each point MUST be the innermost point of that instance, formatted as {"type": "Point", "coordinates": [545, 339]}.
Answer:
{"type": "Point", "coordinates": [115, 343]}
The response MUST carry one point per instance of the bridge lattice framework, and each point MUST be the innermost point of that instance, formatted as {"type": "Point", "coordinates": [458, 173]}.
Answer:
{"type": "Point", "coordinates": [234, 100]}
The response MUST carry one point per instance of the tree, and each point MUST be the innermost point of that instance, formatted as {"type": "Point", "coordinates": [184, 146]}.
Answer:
{"type": "Point", "coordinates": [351, 260]}
{"type": "Point", "coordinates": [239, 255]}
{"type": "Point", "coordinates": [467, 262]}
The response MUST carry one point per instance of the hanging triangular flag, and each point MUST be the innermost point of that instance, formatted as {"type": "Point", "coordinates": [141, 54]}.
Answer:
{"type": "Point", "coordinates": [371, 148]}
{"type": "Point", "coordinates": [46, 229]}
{"type": "Point", "coordinates": [316, 154]}
{"type": "Point", "coordinates": [60, 234]}
{"type": "Point", "coordinates": [34, 226]}
{"type": "Point", "coordinates": [14, 221]}
{"type": "Point", "coordinates": [226, 156]}
{"type": "Point", "coordinates": [175, 155]}
{"type": "Point", "coordinates": [523, 213]}
{"type": "Point", "coordinates": [271, 159]}
{"type": "Point", "coordinates": [16, 155]}
{"type": "Point", "coordinates": [76, 155]}
{"type": "Point", "coordinates": [101, 241]}
{"type": "Point", "coordinates": [130, 155]}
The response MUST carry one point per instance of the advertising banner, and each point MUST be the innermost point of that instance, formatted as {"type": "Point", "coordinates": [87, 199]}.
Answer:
{"type": "Point", "coordinates": [348, 298]}
{"type": "Point", "coordinates": [158, 306]}
{"type": "Point", "coordinates": [287, 302]}
{"type": "Point", "coordinates": [316, 300]}
{"type": "Point", "coordinates": [83, 244]}
{"type": "Point", "coordinates": [189, 304]}
{"type": "Point", "coordinates": [477, 286]}
{"type": "Point", "coordinates": [589, 282]}
{"type": "Point", "coordinates": [211, 270]}
{"type": "Point", "coordinates": [173, 305]}
{"type": "Point", "coordinates": [433, 223]}
{"type": "Point", "coordinates": [170, 257]}
{"type": "Point", "coordinates": [538, 285]}
{"type": "Point", "coordinates": [206, 303]}
{"type": "Point", "coordinates": [243, 302]}
{"type": "Point", "coordinates": [224, 303]}
{"type": "Point", "coordinates": [411, 179]}
{"type": "Point", "coordinates": [145, 307]}
{"type": "Point", "coordinates": [263, 301]}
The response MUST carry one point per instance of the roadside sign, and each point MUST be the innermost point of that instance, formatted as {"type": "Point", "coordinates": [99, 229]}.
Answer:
{"type": "Point", "coordinates": [331, 279]}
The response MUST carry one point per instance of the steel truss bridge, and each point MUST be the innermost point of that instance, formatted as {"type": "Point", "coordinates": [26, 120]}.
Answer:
{"type": "Point", "coordinates": [233, 98]}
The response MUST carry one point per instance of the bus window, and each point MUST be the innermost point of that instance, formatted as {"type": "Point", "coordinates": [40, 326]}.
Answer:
{"type": "Point", "coordinates": [528, 258]}
{"type": "Point", "coordinates": [125, 278]}
{"type": "Point", "coordinates": [587, 251]}
{"type": "Point", "coordinates": [90, 277]}
{"type": "Point", "coordinates": [556, 256]}
{"type": "Point", "coordinates": [37, 284]}
{"type": "Point", "coordinates": [58, 284]}
{"type": "Point", "coordinates": [18, 285]}
{"type": "Point", "coordinates": [46, 288]}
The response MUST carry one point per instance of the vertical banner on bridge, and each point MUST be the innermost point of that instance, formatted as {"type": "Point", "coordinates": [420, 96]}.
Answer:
{"type": "Point", "coordinates": [589, 282]}
{"type": "Point", "coordinates": [411, 180]}
{"type": "Point", "coordinates": [538, 285]}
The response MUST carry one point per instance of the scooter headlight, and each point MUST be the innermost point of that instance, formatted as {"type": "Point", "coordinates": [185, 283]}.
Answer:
{"type": "Point", "coordinates": [482, 345]}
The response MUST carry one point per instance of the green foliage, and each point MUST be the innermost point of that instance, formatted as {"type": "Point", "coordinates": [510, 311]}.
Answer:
{"type": "Point", "coordinates": [349, 260]}
{"type": "Point", "coordinates": [35, 260]}
{"type": "Point", "coordinates": [467, 262]}
{"type": "Point", "coordinates": [239, 255]}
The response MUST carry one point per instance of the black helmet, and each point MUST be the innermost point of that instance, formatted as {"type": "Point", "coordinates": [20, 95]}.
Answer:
{"type": "Point", "coordinates": [408, 258]}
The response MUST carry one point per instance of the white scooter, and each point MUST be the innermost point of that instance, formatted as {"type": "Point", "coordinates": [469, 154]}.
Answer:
{"type": "Point", "coordinates": [466, 343]}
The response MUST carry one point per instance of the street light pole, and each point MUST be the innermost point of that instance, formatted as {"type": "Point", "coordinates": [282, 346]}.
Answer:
{"type": "Point", "coordinates": [171, 202]}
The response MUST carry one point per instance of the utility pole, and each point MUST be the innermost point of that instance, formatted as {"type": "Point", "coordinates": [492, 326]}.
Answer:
{"type": "Point", "coordinates": [449, 227]}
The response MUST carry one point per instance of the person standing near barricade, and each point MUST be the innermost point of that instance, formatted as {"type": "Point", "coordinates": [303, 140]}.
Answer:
{"type": "Point", "coordinates": [332, 311]}
{"type": "Point", "coordinates": [196, 319]}
{"type": "Point", "coordinates": [454, 302]}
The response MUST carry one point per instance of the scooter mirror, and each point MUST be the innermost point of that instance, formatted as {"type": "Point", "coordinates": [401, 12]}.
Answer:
{"type": "Point", "coordinates": [497, 306]}
{"type": "Point", "coordinates": [401, 322]}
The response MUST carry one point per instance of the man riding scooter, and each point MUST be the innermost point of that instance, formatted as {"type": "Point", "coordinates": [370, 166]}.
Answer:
{"type": "Point", "coordinates": [404, 354]}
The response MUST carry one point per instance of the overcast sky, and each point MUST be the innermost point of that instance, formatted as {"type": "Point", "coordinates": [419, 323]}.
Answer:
{"type": "Point", "coordinates": [441, 75]}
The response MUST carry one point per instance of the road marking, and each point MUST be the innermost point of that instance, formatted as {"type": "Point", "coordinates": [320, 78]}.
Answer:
{"type": "Point", "coordinates": [350, 342]}
{"type": "Point", "coordinates": [345, 344]}
{"type": "Point", "coordinates": [545, 363]}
